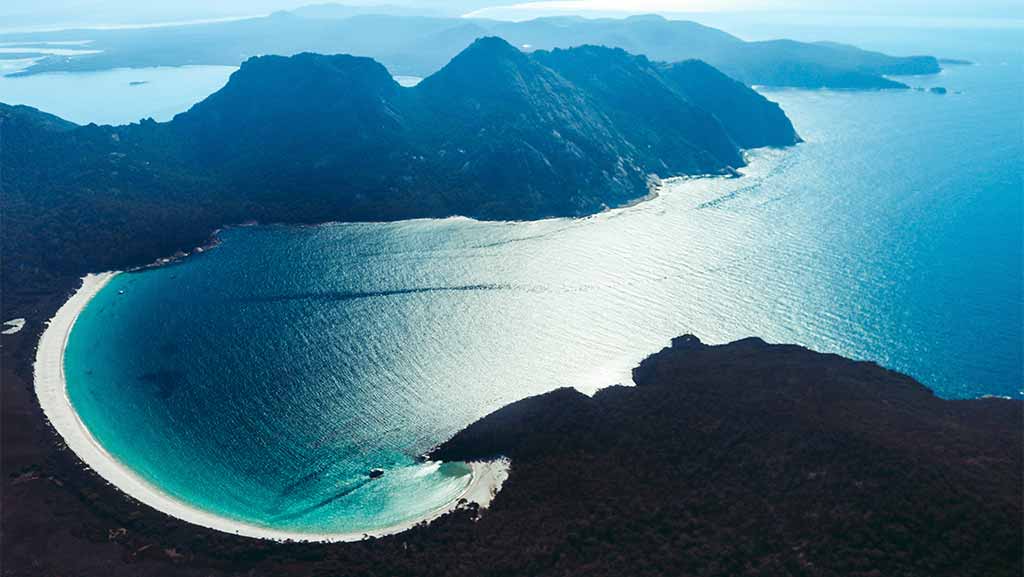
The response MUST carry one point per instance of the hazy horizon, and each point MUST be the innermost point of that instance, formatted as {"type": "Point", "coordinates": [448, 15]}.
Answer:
{"type": "Point", "coordinates": [26, 14]}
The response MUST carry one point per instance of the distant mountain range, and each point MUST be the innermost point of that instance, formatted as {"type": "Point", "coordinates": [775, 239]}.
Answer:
{"type": "Point", "coordinates": [495, 134]}
{"type": "Point", "coordinates": [420, 45]}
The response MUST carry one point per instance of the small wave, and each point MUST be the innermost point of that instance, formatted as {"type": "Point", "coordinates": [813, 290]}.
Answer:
{"type": "Point", "coordinates": [732, 195]}
{"type": "Point", "coordinates": [308, 479]}
{"type": "Point", "coordinates": [348, 296]}
{"type": "Point", "coordinates": [322, 503]}
{"type": "Point", "coordinates": [527, 238]}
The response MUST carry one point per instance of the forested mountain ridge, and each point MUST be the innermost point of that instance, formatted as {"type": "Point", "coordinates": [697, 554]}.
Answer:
{"type": "Point", "coordinates": [496, 134]}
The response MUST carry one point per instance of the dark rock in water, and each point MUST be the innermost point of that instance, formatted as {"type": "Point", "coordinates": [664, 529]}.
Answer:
{"type": "Point", "coordinates": [376, 473]}
{"type": "Point", "coordinates": [937, 90]}
{"type": "Point", "coordinates": [166, 381]}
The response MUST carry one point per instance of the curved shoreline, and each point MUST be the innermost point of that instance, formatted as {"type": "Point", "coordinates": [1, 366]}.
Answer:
{"type": "Point", "coordinates": [51, 389]}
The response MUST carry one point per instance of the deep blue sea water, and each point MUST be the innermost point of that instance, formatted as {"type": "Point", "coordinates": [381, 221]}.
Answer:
{"type": "Point", "coordinates": [262, 379]}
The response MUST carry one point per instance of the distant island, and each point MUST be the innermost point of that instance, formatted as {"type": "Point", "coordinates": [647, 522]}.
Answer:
{"type": "Point", "coordinates": [496, 134]}
{"type": "Point", "coordinates": [420, 45]}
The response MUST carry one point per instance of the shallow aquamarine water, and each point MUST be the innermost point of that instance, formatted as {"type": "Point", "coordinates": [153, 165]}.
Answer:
{"type": "Point", "coordinates": [262, 379]}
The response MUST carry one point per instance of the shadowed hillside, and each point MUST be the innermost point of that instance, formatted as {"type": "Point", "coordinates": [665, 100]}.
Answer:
{"type": "Point", "coordinates": [757, 459]}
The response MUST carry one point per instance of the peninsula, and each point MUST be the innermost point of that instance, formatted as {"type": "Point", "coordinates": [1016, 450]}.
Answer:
{"type": "Point", "coordinates": [496, 134]}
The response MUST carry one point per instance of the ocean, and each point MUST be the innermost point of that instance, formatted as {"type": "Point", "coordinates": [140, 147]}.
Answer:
{"type": "Point", "coordinates": [263, 379]}
{"type": "Point", "coordinates": [118, 96]}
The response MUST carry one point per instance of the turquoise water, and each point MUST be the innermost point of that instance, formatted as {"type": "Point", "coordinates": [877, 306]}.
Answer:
{"type": "Point", "coordinates": [262, 379]}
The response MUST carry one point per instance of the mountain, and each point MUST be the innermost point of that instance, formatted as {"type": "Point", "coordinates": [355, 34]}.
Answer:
{"type": "Point", "coordinates": [33, 118]}
{"type": "Point", "coordinates": [650, 112]}
{"type": "Point", "coordinates": [420, 45]}
{"type": "Point", "coordinates": [818, 65]}
{"type": "Point", "coordinates": [505, 126]}
{"type": "Point", "coordinates": [508, 133]}
{"type": "Point", "coordinates": [769, 63]}
{"type": "Point", "coordinates": [752, 120]}
{"type": "Point", "coordinates": [497, 133]}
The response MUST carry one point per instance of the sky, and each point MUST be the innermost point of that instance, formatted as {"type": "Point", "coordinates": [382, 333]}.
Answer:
{"type": "Point", "coordinates": [56, 13]}
{"type": "Point", "coordinates": [932, 8]}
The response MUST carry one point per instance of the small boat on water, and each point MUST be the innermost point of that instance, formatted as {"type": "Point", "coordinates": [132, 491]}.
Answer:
{"type": "Point", "coordinates": [376, 473]}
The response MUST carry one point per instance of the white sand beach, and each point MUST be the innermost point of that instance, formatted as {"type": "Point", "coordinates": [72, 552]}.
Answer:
{"type": "Point", "coordinates": [486, 477]}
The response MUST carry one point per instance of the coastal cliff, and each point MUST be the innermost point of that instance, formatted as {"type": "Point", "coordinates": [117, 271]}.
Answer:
{"type": "Point", "coordinates": [497, 133]}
